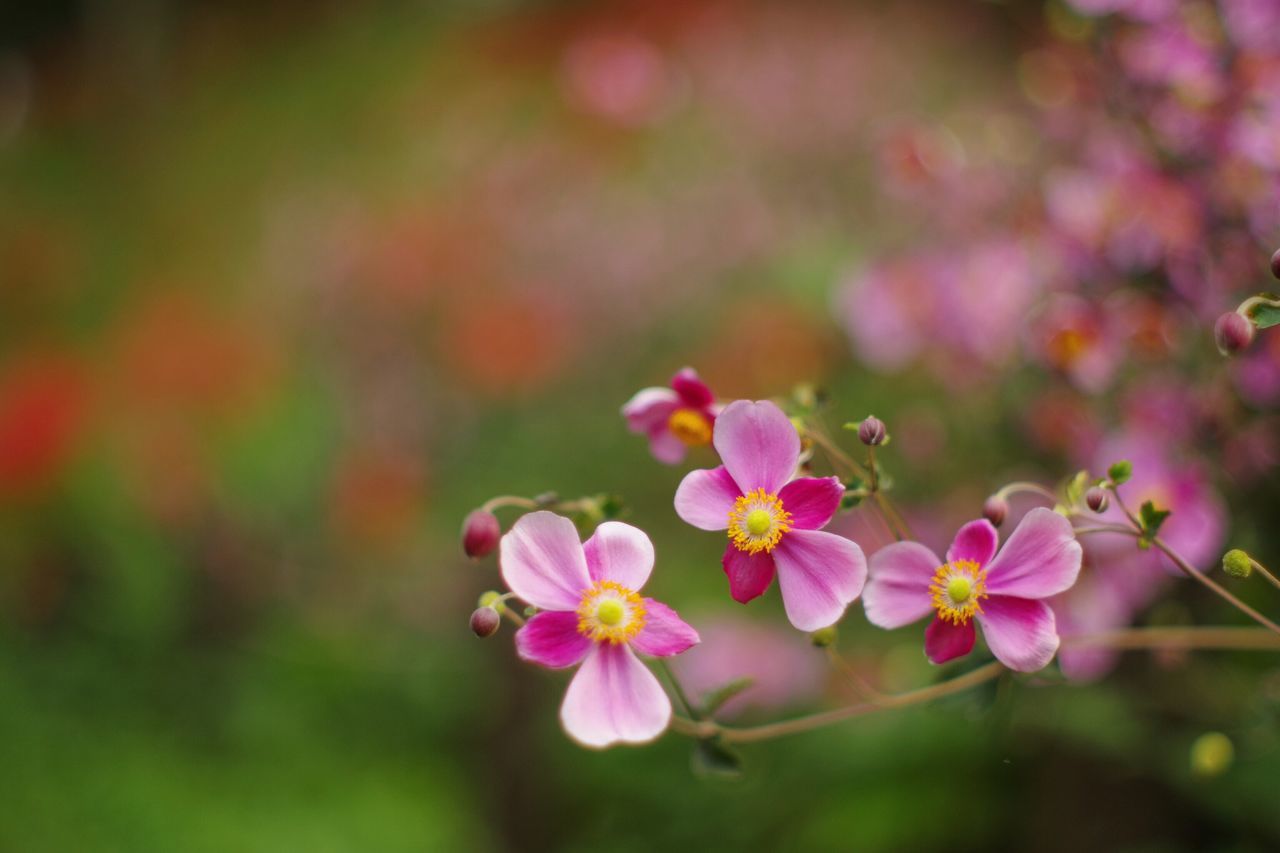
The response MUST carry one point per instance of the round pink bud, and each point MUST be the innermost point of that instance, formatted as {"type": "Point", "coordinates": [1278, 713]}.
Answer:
{"type": "Point", "coordinates": [871, 431]}
{"type": "Point", "coordinates": [485, 622]}
{"type": "Point", "coordinates": [480, 533]}
{"type": "Point", "coordinates": [1097, 499]}
{"type": "Point", "coordinates": [995, 510]}
{"type": "Point", "coordinates": [1232, 333]}
{"type": "Point", "coordinates": [1275, 264]}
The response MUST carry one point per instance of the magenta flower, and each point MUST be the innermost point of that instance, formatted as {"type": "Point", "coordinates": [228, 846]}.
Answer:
{"type": "Point", "coordinates": [1002, 592]}
{"type": "Point", "coordinates": [773, 520]}
{"type": "Point", "coordinates": [592, 614]}
{"type": "Point", "coordinates": [674, 418]}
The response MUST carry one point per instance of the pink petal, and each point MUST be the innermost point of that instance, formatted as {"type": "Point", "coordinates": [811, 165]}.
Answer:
{"type": "Point", "coordinates": [620, 553]}
{"type": "Point", "coordinates": [897, 590]}
{"type": "Point", "coordinates": [749, 574]}
{"type": "Point", "coordinates": [758, 443]}
{"type": "Point", "coordinates": [944, 641]}
{"type": "Point", "coordinates": [812, 500]}
{"type": "Point", "coordinates": [665, 447]}
{"type": "Point", "coordinates": [551, 638]}
{"type": "Point", "coordinates": [542, 561]}
{"type": "Point", "coordinates": [664, 632]}
{"type": "Point", "coordinates": [976, 541]}
{"type": "Point", "coordinates": [819, 574]}
{"type": "Point", "coordinates": [650, 407]}
{"type": "Point", "coordinates": [693, 392]}
{"type": "Point", "coordinates": [705, 497]}
{"type": "Point", "coordinates": [1021, 633]}
{"type": "Point", "coordinates": [1040, 559]}
{"type": "Point", "coordinates": [614, 698]}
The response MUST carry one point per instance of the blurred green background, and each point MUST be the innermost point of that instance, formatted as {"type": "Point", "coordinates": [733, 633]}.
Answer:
{"type": "Point", "coordinates": [285, 291]}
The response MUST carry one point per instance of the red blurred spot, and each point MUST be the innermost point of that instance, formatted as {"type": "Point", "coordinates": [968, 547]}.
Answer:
{"type": "Point", "coordinates": [43, 403]}
{"type": "Point", "coordinates": [377, 495]}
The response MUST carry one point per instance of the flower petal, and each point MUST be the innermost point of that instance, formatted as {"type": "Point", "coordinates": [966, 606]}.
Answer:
{"type": "Point", "coordinates": [897, 590]}
{"type": "Point", "coordinates": [811, 500]}
{"type": "Point", "coordinates": [693, 392]}
{"type": "Point", "coordinates": [551, 638]}
{"type": "Point", "coordinates": [944, 641]}
{"type": "Point", "coordinates": [758, 443]}
{"type": "Point", "coordinates": [976, 541]}
{"type": "Point", "coordinates": [542, 561]}
{"type": "Point", "coordinates": [665, 447]}
{"type": "Point", "coordinates": [819, 574]}
{"type": "Point", "coordinates": [614, 698]}
{"type": "Point", "coordinates": [705, 497]}
{"type": "Point", "coordinates": [649, 408]}
{"type": "Point", "coordinates": [664, 632]}
{"type": "Point", "coordinates": [749, 574]}
{"type": "Point", "coordinates": [1021, 633]}
{"type": "Point", "coordinates": [1040, 559]}
{"type": "Point", "coordinates": [620, 553]}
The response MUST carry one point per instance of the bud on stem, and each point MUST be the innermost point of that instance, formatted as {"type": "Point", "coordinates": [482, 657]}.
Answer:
{"type": "Point", "coordinates": [480, 533]}
{"type": "Point", "coordinates": [485, 622]}
{"type": "Point", "coordinates": [1097, 499]}
{"type": "Point", "coordinates": [1232, 333]}
{"type": "Point", "coordinates": [1237, 563]}
{"type": "Point", "coordinates": [871, 431]}
{"type": "Point", "coordinates": [995, 509]}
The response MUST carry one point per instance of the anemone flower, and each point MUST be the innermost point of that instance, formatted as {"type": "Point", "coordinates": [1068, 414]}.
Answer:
{"type": "Point", "coordinates": [593, 615]}
{"type": "Point", "coordinates": [773, 520]}
{"type": "Point", "coordinates": [674, 418]}
{"type": "Point", "coordinates": [1002, 591]}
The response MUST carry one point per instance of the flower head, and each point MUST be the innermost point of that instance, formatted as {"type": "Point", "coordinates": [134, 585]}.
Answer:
{"type": "Point", "coordinates": [1002, 591]}
{"type": "Point", "coordinates": [773, 521]}
{"type": "Point", "coordinates": [674, 418]}
{"type": "Point", "coordinates": [593, 614]}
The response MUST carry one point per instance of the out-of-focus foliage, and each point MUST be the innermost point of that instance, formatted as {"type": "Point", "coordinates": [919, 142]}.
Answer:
{"type": "Point", "coordinates": [285, 294]}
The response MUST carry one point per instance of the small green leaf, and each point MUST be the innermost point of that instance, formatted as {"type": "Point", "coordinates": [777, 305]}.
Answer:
{"type": "Point", "coordinates": [715, 700]}
{"type": "Point", "coordinates": [1265, 316]}
{"type": "Point", "coordinates": [712, 758]}
{"type": "Point", "coordinates": [1151, 520]}
{"type": "Point", "coordinates": [1120, 472]}
{"type": "Point", "coordinates": [1075, 488]}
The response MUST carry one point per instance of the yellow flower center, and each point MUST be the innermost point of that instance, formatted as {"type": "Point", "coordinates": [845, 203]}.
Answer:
{"type": "Point", "coordinates": [757, 521]}
{"type": "Point", "coordinates": [957, 590]}
{"type": "Point", "coordinates": [690, 426]}
{"type": "Point", "coordinates": [610, 613]}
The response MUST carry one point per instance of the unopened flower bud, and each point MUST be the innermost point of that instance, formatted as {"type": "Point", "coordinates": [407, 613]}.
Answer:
{"type": "Point", "coordinates": [995, 509]}
{"type": "Point", "coordinates": [1212, 754]}
{"type": "Point", "coordinates": [1232, 333]}
{"type": "Point", "coordinates": [1237, 563]}
{"type": "Point", "coordinates": [871, 431]}
{"type": "Point", "coordinates": [1275, 264]}
{"type": "Point", "coordinates": [824, 637]}
{"type": "Point", "coordinates": [480, 533]}
{"type": "Point", "coordinates": [1097, 499]}
{"type": "Point", "coordinates": [485, 622]}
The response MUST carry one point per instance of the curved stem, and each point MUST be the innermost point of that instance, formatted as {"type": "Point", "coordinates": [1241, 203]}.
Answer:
{"type": "Point", "coordinates": [1262, 570]}
{"type": "Point", "coordinates": [859, 684]}
{"type": "Point", "coordinates": [1026, 487]}
{"type": "Point", "coordinates": [1188, 570]}
{"type": "Point", "coordinates": [677, 688]}
{"type": "Point", "coordinates": [837, 457]}
{"type": "Point", "coordinates": [508, 500]}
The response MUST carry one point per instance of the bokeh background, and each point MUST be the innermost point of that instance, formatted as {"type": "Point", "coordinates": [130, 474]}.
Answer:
{"type": "Point", "coordinates": [287, 289]}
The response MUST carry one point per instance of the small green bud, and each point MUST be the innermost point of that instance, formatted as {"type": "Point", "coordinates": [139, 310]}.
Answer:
{"type": "Point", "coordinates": [1120, 472]}
{"type": "Point", "coordinates": [824, 637]}
{"type": "Point", "coordinates": [530, 612]}
{"type": "Point", "coordinates": [1237, 563]}
{"type": "Point", "coordinates": [488, 599]}
{"type": "Point", "coordinates": [1212, 754]}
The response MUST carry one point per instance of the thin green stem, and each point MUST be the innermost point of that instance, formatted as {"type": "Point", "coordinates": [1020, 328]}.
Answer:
{"type": "Point", "coordinates": [1262, 570]}
{"type": "Point", "coordinates": [1027, 488]}
{"type": "Point", "coordinates": [676, 687]}
{"type": "Point", "coordinates": [859, 684]}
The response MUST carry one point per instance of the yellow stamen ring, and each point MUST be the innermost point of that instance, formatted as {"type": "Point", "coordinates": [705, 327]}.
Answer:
{"type": "Point", "coordinates": [690, 426]}
{"type": "Point", "coordinates": [957, 589]}
{"type": "Point", "coordinates": [757, 522]}
{"type": "Point", "coordinates": [610, 613]}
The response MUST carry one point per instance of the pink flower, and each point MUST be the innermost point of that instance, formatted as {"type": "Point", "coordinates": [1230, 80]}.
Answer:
{"type": "Point", "coordinates": [773, 521]}
{"type": "Point", "coordinates": [674, 418]}
{"type": "Point", "coordinates": [593, 615]}
{"type": "Point", "coordinates": [1002, 592]}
